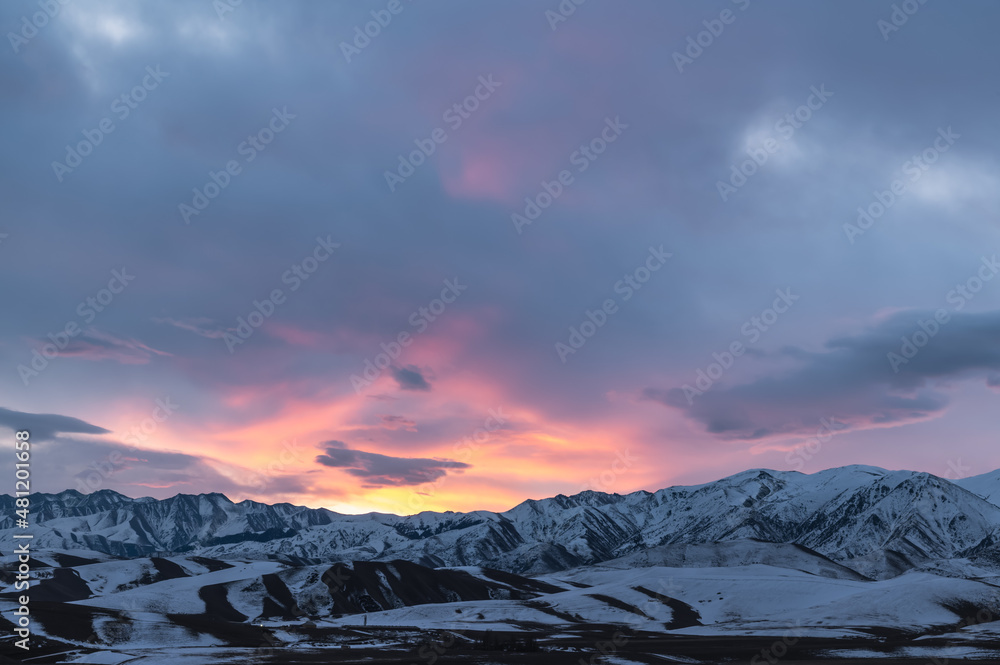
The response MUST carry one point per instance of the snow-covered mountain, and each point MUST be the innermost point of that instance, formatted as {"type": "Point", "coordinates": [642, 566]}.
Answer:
{"type": "Point", "coordinates": [830, 563]}
{"type": "Point", "coordinates": [875, 522]}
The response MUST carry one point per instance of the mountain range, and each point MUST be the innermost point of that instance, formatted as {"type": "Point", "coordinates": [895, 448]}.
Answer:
{"type": "Point", "coordinates": [852, 562]}
{"type": "Point", "coordinates": [875, 522]}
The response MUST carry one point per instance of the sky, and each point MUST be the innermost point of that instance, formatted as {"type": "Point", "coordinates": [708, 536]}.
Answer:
{"type": "Point", "coordinates": [408, 255]}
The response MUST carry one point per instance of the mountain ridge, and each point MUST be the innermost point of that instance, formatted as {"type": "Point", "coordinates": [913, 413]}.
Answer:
{"type": "Point", "coordinates": [865, 518]}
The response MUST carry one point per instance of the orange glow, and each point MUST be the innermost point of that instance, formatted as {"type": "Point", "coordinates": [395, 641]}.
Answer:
{"type": "Point", "coordinates": [267, 444]}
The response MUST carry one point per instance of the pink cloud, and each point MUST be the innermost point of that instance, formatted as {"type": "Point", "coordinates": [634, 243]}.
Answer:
{"type": "Point", "coordinates": [397, 422]}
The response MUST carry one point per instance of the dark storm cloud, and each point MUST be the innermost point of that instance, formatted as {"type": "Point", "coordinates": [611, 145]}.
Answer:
{"type": "Point", "coordinates": [410, 378]}
{"type": "Point", "coordinates": [46, 426]}
{"type": "Point", "coordinates": [890, 374]}
{"type": "Point", "coordinates": [382, 470]}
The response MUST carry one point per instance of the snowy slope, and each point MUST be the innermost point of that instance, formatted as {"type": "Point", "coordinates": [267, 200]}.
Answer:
{"type": "Point", "coordinates": [745, 599]}
{"type": "Point", "coordinates": [986, 486]}
{"type": "Point", "coordinates": [193, 602]}
{"type": "Point", "coordinates": [735, 553]}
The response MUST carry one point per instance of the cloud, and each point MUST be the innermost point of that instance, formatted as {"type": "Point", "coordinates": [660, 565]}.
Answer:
{"type": "Point", "coordinates": [46, 426]}
{"type": "Point", "coordinates": [410, 378]}
{"type": "Point", "coordinates": [91, 465]}
{"type": "Point", "coordinates": [851, 380]}
{"type": "Point", "coordinates": [197, 325]}
{"type": "Point", "coordinates": [87, 465]}
{"type": "Point", "coordinates": [397, 422]}
{"type": "Point", "coordinates": [93, 344]}
{"type": "Point", "coordinates": [385, 471]}
{"type": "Point", "coordinates": [494, 345]}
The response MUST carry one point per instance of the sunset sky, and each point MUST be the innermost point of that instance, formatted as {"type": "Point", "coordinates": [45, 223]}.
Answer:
{"type": "Point", "coordinates": [563, 269]}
